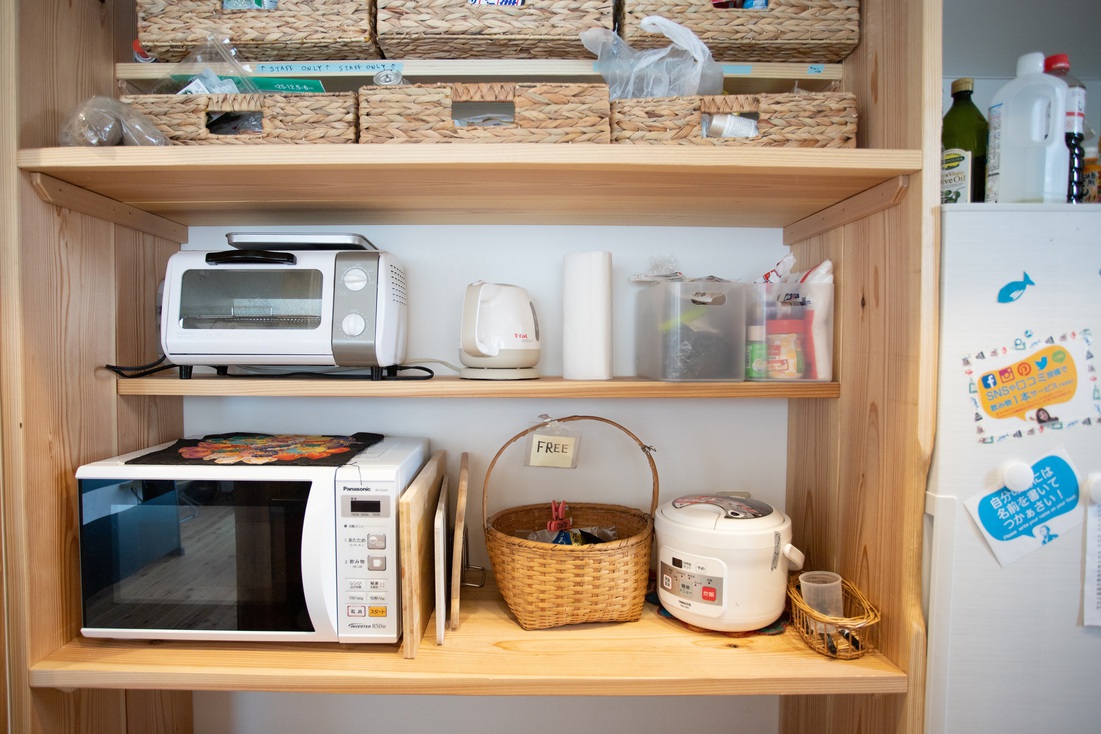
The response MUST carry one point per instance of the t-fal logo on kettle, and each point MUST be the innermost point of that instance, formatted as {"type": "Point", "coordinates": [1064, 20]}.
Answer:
{"type": "Point", "coordinates": [520, 335]}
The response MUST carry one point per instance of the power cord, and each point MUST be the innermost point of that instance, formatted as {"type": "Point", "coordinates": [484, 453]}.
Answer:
{"type": "Point", "coordinates": [348, 373]}
{"type": "Point", "coordinates": [141, 370]}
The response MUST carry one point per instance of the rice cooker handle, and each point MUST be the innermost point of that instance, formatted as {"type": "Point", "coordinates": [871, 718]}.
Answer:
{"type": "Point", "coordinates": [795, 556]}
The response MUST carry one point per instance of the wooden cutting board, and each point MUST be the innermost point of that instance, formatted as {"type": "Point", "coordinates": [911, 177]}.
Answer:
{"type": "Point", "coordinates": [416, 515]}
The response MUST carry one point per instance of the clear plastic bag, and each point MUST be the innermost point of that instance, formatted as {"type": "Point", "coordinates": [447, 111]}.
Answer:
{"type": "Point", "coordinates": [683, 69]}
{"type": "Point", "coordinates": [107, 121]}
{"type": "Point", "coordinates": [212, 68]}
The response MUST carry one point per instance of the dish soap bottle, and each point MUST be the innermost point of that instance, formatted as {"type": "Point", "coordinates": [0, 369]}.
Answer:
{"type": "Point", "coordinates": [963, 148]}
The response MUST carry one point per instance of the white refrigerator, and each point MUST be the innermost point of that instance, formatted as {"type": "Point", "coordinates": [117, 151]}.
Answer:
{"type": "Point", "coordinates": [1011, 554]}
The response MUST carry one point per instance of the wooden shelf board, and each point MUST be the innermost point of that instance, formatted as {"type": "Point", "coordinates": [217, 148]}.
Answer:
{"type": "Point", "coordinates": [339, 76]}
{"type": "Point", "coordinates": [509, 183]}
{"type": "Point", "coordinates": [454, 387]}
{"type": "Point", "coordinates": [489, 655]}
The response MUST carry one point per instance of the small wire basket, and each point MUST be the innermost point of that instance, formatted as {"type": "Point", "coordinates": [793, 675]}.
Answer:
{"type": "Point", "coordinates": [844, 638]}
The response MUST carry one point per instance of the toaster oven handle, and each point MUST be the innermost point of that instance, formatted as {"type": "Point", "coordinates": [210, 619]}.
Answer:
{"type": "Point", "coordinates": [265, 257]}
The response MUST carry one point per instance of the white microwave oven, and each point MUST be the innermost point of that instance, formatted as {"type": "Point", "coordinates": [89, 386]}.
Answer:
{"type": "Point", "coordinates": [257, 307]}
{"type": "Point", "coordinates": [254, 552]}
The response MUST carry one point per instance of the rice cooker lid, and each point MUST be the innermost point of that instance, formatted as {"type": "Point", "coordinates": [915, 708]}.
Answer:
{"type": "Point", "coordinates": [722, 512]}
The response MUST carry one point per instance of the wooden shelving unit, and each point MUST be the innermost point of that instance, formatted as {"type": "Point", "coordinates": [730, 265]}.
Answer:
{"type": "Point", "coordinates": [341, 76]}
{"type": "Point", "coordinates": [489, 655]}
{"type": "Point", "coordinates": [82, 226]}
{"type": "Point", "coordinates": [453, 387]}
{"type": "Point", "coordinates": [511, 183]}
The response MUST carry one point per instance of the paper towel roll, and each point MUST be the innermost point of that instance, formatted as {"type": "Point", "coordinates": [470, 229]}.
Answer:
{"type": "Point", "coordinates": [587, 316]}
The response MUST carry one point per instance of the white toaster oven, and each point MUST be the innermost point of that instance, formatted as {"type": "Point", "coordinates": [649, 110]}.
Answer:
{"type": "Point", "coordinates": [342, 308]}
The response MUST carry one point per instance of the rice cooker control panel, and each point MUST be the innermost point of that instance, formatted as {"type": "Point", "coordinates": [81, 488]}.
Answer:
{"type": "Point", "coordinates": [692, 580]}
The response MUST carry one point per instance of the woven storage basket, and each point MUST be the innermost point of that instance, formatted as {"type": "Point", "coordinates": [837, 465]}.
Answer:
{"type": "Point", "coordinates": [788, 30]}
{"type": "Point", "coordinates": [544, 113]}
{"type": "Point", "coordinates": [287, 118]}
{"type": "Point", "coordinates": [812, 120]}
{"type": "Point", "coordinates": [547, 585]}
{"type": "Point", "coordinates": [845, 638]}
{"type": "Point", "coordinates": [303, 30]}
{"type": "Point", "coordinates": [456, 29]}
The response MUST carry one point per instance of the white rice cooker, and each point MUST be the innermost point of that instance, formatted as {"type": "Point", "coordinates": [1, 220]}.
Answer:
{"type": "Point", "coordinates": [723, 561]}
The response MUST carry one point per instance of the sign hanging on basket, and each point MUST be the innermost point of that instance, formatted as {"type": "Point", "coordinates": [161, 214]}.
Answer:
{"type": "Point", "coordinates": [554, 444]}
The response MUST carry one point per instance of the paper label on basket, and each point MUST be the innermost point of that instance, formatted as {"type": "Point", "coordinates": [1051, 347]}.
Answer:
{"type": "Point", "coordinates": [249, 4]}
{"type": "Point", "coordinates": [553, 448]}
{"type": "Point", "coordinates": [513, 3]}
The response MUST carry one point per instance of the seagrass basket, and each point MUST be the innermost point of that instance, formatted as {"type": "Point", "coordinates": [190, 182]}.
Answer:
{"type": "Point", "coordinates": [810, 120]}
{"type": "Point", "coordinates": [458, 29]}
{"type": "Point", "coordinates": [542, 113]}
{"type": "Point", "coordinates": [847, 637]}
{"type": "Point", "coordinates": [297, 119]}
{"type": "Point", "coordinates": [788, 30]}
{"type": "Point", "coordinates": [547, 585]}
{"type": "Point", "coordinates": [296, 30]}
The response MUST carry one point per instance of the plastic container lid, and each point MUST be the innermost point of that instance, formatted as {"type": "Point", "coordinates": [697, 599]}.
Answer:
{"type": "Point", "coordinates": [1057, 61]}
{"type": "Point", "coordinates": [965, 84]}
{"type": "Point", "coordinates": [1031, 63]}
{"type": "Point", "coordinates": [718, 512]}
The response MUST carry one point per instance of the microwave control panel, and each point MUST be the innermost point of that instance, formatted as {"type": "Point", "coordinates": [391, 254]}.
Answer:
{"type": "Point", "coordinates": [368, 582]}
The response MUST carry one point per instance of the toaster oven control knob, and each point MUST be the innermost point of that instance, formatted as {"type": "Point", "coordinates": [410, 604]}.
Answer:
{"type": "Point", "coordinates": [355, 279]}
{"type": "Point", "coordinates": [353, 324]}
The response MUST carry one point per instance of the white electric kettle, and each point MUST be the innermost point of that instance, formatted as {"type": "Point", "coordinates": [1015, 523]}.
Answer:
{"type": "Point", "coordinates": [499, 338]}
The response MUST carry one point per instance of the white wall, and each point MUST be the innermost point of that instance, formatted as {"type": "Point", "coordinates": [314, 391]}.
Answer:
{"type": "Point", "coordinates": [984, 38]}
{"type": "Point", "coordinates": [701, 445]}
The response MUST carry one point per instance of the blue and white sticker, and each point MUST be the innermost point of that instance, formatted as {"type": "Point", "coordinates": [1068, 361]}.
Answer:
{"type": "Point", "coordinates": [1017, 523]}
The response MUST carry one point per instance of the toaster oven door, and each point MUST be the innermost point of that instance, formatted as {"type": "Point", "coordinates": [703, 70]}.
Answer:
{"type": "Point", "coordinates": [213, 558]}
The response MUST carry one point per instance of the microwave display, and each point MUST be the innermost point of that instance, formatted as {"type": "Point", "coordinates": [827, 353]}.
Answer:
{"type": "Point", "coordinates": [251, 299]}
{"type": "Point", "coordinates": [193, 555]}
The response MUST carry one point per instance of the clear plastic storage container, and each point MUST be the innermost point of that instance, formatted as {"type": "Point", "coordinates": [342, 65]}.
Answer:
{"type": "Point", "coordinates": [691, 331]}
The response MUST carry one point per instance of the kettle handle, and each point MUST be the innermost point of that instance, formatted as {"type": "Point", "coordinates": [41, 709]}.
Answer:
{"type": "Point", "coordinates": [470, 331]}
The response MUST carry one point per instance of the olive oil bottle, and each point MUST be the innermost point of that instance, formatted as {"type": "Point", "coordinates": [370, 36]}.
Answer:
{"type": "Point", "coordinates": [963, 146]}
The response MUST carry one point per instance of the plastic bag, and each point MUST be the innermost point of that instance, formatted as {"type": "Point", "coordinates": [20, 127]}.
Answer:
{"type": "Point", "coordinates": [107, 121]}
{"type": "Point", "coordinates": [212, 68]}
{"type": "Point", "coordinates": [681, 70]}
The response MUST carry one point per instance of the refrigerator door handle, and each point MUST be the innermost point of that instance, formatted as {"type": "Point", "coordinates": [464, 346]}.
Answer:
{"type": "Point", "coordinates": [941, 516]}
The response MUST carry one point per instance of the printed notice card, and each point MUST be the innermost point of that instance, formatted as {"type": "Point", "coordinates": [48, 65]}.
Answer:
{"type": "Point", "coordinates": [1091, 589]}
{"type": "Point", "coordinates": [1033, 386]}
{"type": "Point", "coordinates": [1017, 523]}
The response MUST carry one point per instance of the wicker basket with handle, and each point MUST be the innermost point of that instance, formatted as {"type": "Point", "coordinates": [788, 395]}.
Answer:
{"type": "Point", "coordinates": [547, 585]}
{"type": "Point", "coordinates": [810, 120]}
{"type": "Point", "coordinates": [788, 30]}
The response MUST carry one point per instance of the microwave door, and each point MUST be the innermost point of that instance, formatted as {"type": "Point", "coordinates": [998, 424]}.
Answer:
{"type": "Point", "coordinates": [194, 559]}
{"type": "Point", "coordinates": [318, 555]}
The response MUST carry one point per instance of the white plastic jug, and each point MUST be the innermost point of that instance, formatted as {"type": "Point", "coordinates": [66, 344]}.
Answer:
{"type": "Point", "coordinates": [1027, 155]}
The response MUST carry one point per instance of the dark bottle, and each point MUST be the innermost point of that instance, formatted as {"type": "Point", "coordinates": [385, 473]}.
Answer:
{"type": "Point", "coordinates": [1059, 65]}
{"type": "Point", "coordinates": [963, 148]}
